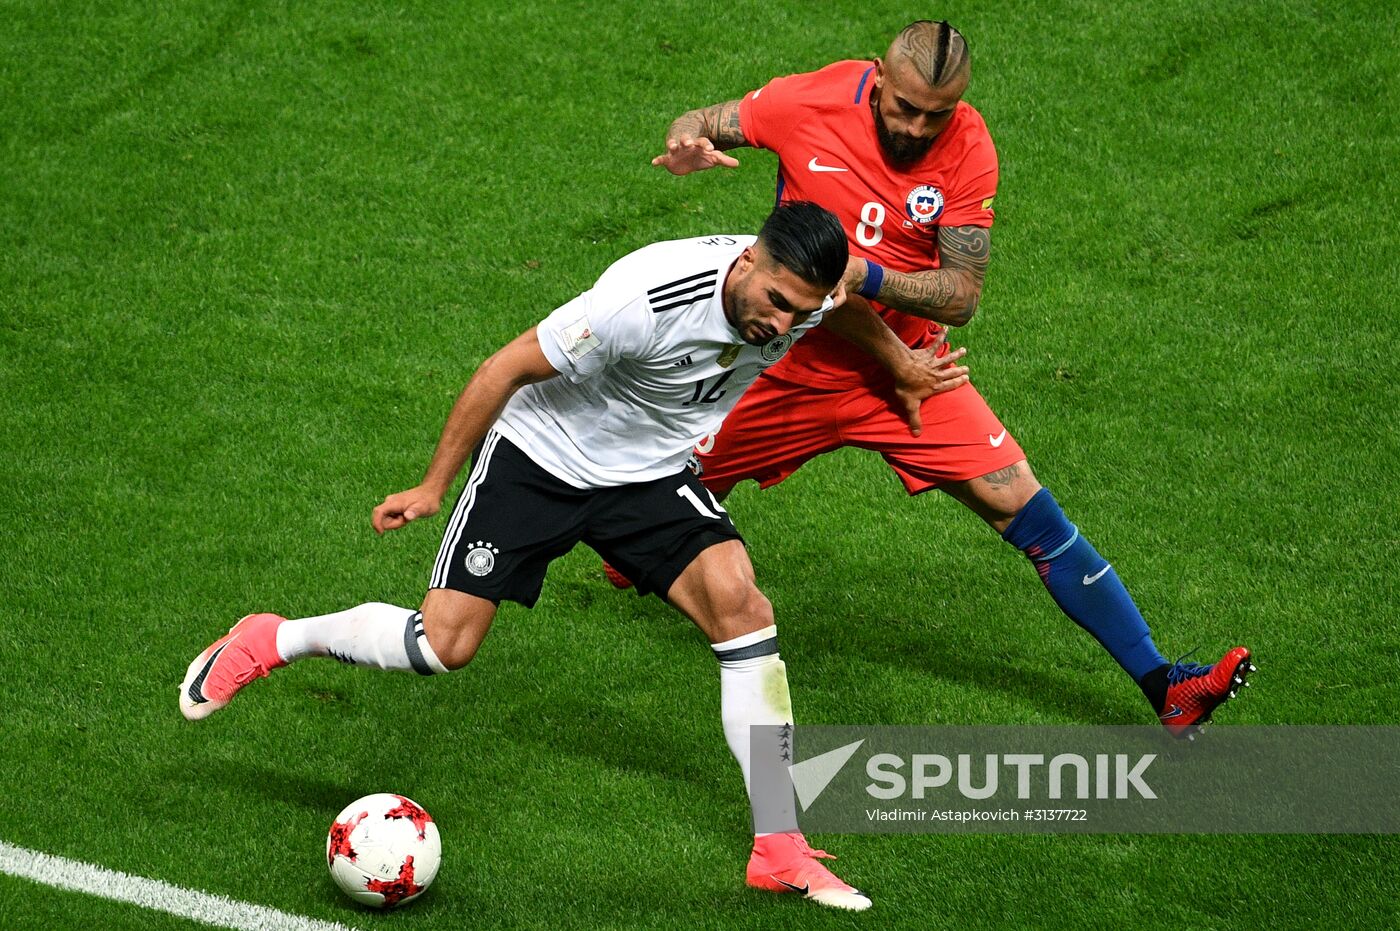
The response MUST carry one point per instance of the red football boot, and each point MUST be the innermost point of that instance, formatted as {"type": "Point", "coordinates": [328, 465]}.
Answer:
{"type": "Point", "coordinates": [1195, 691]}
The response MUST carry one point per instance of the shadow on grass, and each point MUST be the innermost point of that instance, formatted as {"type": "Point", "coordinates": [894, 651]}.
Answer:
{"type": "Point", "coordinates": [276, 783]}
{"type": "Point", "coordinates": [1060, 690]}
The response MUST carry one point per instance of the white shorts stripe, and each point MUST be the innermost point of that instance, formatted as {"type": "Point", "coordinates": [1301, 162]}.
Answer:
{"type": "Point", "coordinates": [160, 896]}
{"type": "Point", "coordinates": [459, 516]}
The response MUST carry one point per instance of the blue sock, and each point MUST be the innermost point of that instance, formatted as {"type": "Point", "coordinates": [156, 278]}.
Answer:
{"type": "Point", "coordinates": [1086, 587]}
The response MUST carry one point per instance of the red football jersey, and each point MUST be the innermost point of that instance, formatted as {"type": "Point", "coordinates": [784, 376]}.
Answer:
{"type": "Point", "coordinates": [821, 126]}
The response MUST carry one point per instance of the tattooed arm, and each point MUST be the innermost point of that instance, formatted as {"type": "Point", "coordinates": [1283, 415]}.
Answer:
{"type": "Point", "coordinates": [698, 138]}
{"type": "Point", "coordinates": [948, 294]}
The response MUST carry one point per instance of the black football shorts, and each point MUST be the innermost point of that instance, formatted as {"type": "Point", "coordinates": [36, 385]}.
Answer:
{"type": "Point", "coordinates": [513, 518]}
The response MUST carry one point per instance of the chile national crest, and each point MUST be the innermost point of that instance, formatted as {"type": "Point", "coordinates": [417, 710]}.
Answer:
{"type": "Point", "coordinates": [924, 204]}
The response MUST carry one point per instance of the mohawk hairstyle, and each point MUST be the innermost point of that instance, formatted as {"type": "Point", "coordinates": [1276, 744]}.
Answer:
{"type": "Point", "coordinates": [937, 50]}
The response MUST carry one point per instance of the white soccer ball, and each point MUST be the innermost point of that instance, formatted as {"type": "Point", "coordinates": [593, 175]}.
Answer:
{"type": "Point", "coordinates": [383, 850]}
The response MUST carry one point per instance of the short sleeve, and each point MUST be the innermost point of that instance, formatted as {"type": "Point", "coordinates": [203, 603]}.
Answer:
{"type": "Point", "coordinates": [593, 331]}
{"type": "Point", "coordinates": [768, 115]}
{"type": "Point", "coordinates": [969, 198]}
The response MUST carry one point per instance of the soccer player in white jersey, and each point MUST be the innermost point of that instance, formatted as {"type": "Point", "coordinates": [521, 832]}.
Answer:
{"type": "Point", "coordinates": [582, 427]}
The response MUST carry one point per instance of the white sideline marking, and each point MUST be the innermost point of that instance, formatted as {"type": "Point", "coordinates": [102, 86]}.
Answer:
{"type": "Point", "coordinates": [152, 893]}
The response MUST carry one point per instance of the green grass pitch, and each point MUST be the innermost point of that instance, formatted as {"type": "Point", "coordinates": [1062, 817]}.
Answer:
{"type": "Point", "coordinates": [249, 252]}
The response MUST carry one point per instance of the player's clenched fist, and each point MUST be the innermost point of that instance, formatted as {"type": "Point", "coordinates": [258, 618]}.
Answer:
{"type": "Point", "coordinates": [403, 508]}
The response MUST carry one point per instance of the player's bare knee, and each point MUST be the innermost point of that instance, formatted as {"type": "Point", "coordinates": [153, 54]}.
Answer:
{"type": "Point", "coordinates": [450, 637]}
{"type": "Point", "coordinates": [1022, 489]}
{"type": "Point", "coordinates": [999, 496]}
{"type": "Point", "coordinates": [452, 649]}
{"type": "Point", "coordinates": [455, 627]}
{"type": "Point", "coordinates": [752, 611]}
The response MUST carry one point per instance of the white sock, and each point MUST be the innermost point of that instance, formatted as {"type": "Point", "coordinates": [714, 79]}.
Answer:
{"type": "Point", "coordinates": [375, 634]}
{"type": "Point", "coordinates": [754, 691]}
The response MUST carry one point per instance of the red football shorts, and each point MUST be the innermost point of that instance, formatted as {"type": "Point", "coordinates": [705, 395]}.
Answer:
{"type": "Point", "coordinates": [778, 425]}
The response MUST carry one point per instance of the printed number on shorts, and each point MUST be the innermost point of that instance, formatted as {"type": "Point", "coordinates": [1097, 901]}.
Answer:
{"type": "Point", "coordinates": [870, 229]}
{"type": "Point", "coordinates": [688, 493]}
{"type": "Point", "coordinates": [701, 396]}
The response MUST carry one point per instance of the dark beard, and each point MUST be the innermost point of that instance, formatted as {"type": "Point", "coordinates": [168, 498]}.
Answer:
{"type": "Point", "coordinates": [901, 150]}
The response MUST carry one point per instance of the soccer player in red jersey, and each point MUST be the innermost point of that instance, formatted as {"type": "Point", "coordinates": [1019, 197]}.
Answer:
{"type": "Point", "coordinates": [909, 168]}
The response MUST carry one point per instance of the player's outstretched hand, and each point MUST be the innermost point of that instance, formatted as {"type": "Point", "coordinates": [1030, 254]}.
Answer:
{"type": "Point", "coordinates": [404, 507]}
{"type": "Point", "coordinates": [692, 153]}
{"type": "Point", "coordinates": [927, 375]}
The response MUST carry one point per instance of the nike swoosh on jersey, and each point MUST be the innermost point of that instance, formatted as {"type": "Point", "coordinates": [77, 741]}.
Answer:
{"type": "Point", "coordinates": [813, 166]}
{"type": "Point", "coordinates": [998, 439]}
{"type": "Point", "coordinates": [1091, 579]}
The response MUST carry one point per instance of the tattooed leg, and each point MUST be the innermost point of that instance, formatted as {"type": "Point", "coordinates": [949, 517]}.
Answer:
{"type": "Point", "coordinates": [998, 496]}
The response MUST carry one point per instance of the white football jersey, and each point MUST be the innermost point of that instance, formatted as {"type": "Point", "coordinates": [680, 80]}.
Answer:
{"type": "Point", "coordinates": [649, 366]}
